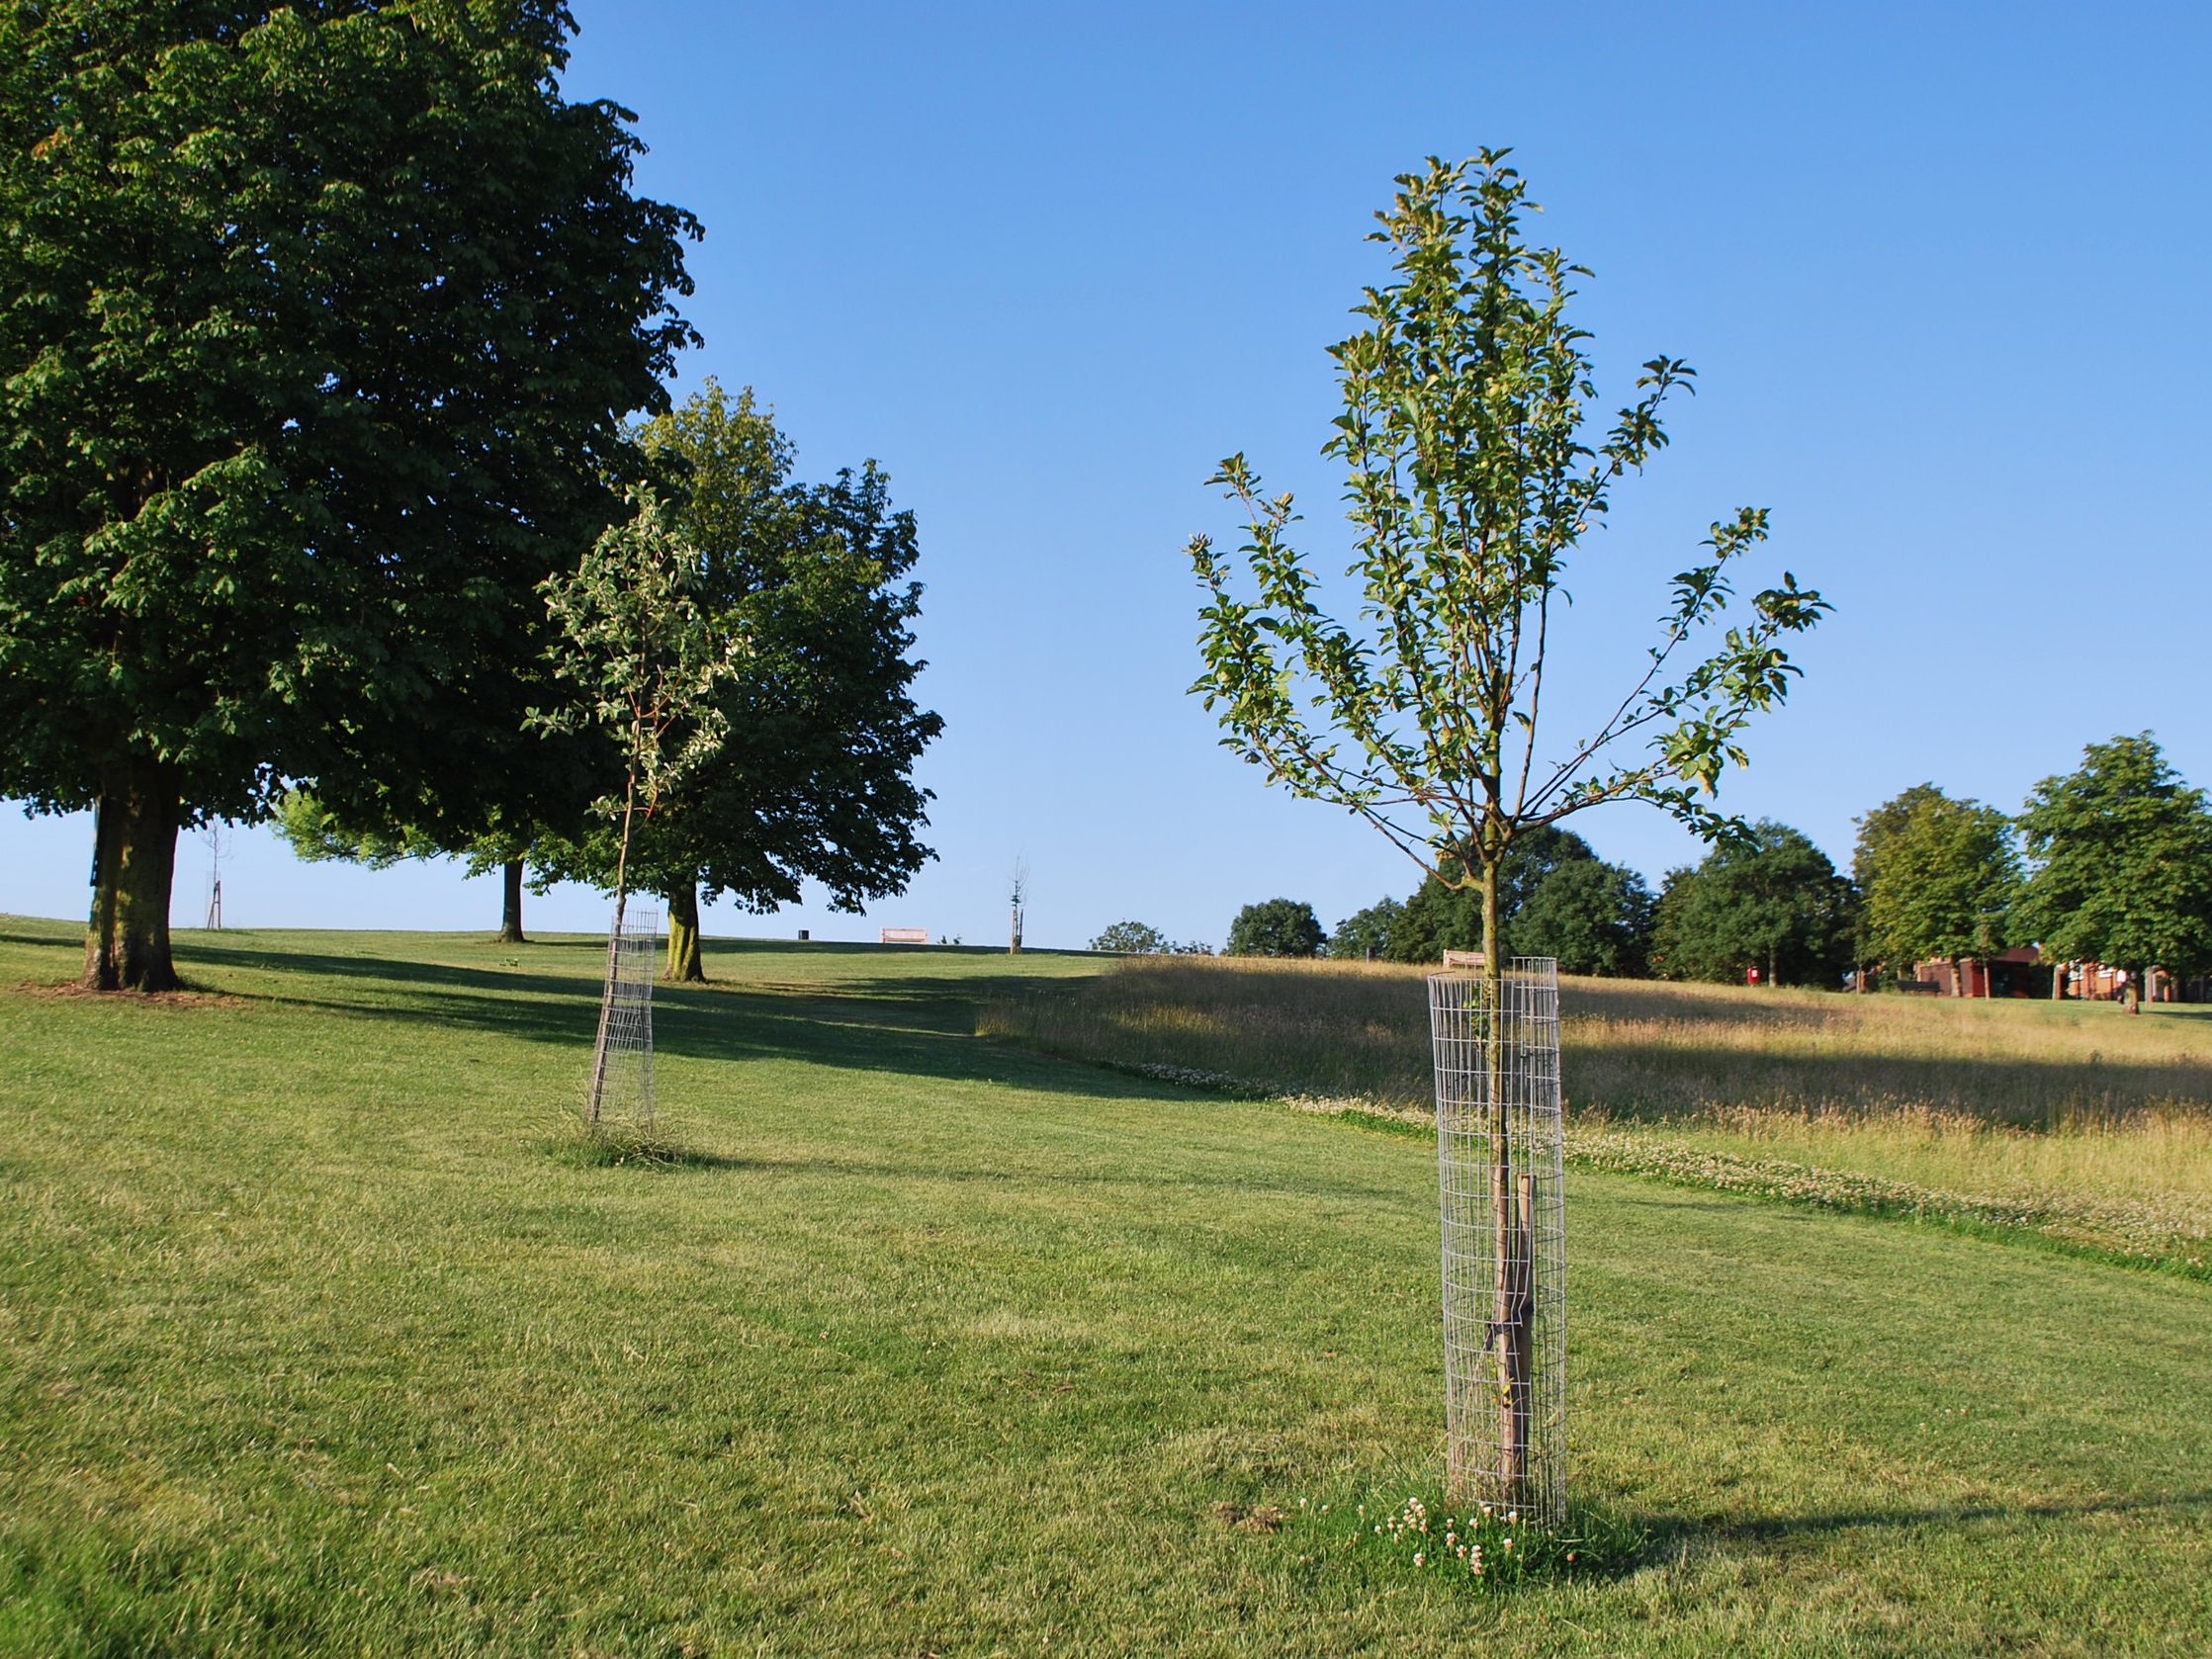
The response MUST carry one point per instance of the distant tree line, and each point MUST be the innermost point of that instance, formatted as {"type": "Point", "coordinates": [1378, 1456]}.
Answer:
{"type": "Point", "coordinates": [2110, 863]}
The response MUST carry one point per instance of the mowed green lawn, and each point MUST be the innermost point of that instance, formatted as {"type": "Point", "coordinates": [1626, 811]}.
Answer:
{"type": "Point", "coordinates": [316, 1341]}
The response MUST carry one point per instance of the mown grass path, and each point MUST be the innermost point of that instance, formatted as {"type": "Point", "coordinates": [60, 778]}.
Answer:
{"type": "Point", "coordinates": [311, 1341]}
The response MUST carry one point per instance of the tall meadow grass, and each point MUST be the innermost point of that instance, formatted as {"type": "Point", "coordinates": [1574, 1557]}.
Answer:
{"type": "Point", "coordinates": [2069, 1109]}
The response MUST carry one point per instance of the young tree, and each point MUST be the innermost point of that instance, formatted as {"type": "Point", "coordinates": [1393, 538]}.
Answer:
{"type": "Point", "coordinates": [1471, 480]}
{"type": "Point", "coordinates": [809, 777]}
{"type": "Point", "coordinates": [1937, 879]}
{"type": "Point", "coordinates": [2120, 855]}
{"type": "Point", "coordinates": [318, 325]}
{"type": "Point", "coordinates": [1275, 927]}
{"type": "Point", "coordinates": [644, 657]}
{"type": "Point", "coordinates": [1770, 901]}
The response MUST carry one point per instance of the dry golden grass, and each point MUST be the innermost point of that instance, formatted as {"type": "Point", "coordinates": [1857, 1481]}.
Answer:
{"type": "Point", "coordinates": [2072, 1107]}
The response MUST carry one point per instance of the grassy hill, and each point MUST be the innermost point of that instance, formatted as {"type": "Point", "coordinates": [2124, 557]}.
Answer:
{"type": "Point", "coordinates": [316, 1336]}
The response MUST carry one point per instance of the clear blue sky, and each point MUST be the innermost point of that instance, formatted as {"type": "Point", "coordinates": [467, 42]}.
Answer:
{"type": "Point", "coordinates": [1944, 271]}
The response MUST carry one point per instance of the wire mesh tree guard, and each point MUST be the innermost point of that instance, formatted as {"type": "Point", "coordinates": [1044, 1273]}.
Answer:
{"type": "Point", "coordinates": [622, 1059]}
{"type": "Point", "coordinates": [1504, 1213]}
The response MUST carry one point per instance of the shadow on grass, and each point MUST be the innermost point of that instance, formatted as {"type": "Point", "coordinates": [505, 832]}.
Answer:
{"type": "Point", "coordinates": [720, 947]}
{"type": "Point", "coordinates": [919, 1024]}
{"type": "Point", "coordinates": [44, 941]}
{"type": "Point", "coordinates": [581, 1150]}
{"type": "Point", "coordinates": [922, 1024]}
{"type": "Point", "coordinates": [1677, 1531]}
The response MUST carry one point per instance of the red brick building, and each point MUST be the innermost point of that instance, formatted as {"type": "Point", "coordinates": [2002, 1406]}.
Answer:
{"type": "Point", "coordinates": [2021, 972]}
{"type": "Point", "coordinates": [2009, 972]}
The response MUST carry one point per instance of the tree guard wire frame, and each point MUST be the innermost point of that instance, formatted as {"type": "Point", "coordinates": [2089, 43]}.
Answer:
{"type": "Point", "coordinates": [1504, 1215]}
{"type": "Point", "coordinates": [622, 1059]}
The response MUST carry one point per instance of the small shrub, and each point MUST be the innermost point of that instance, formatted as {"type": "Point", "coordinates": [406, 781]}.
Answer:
{"type": "Point", "coordinates": [1493, 1545]}
{"type": "Point", "coordinates": [606, 1146]}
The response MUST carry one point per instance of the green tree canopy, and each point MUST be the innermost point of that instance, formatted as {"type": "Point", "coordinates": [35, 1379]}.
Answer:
{"type": "Point", "coordinates": [2120, 856]}
{"type": "Point", "coordinates": [808, 776]}
{"type": "Point", "coordinates": [317, 834]}
{"type": "Point", "coordinates": [647, 654]}
{"type": "Point", "coordinates": [319, 326]}
{"type": "Point", "coordinates": [1594, 917]}
{"type": "Point", "coordinates": [1275, 927]}
{"type": "Point", "coordinates": [1365, 933]}
{"type": "Point", "coordinates": [1772, 902]}
{"type": "Point", "coordinates": [1876, 829]}
{"type": "Point", "coordinates": [1133, 938]}
{"type": "Point", "coordinates": [1471, 480]}
{"type": "Point", "coordinates": [1443, 915]}
{"type": "Point", "coordinates": [1937, 879]}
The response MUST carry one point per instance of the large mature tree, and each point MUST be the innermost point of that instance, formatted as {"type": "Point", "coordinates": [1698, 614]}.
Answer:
{"type": "Point", "coordinates": [1556, 899]}
{"type": "Point", "coordinates": [1876, 829]}
{"type": "Point", "coordinates": [1471, 480]}
{"type": "Point", "coordinates": [1591, 917]}
{"type": "Point", "coordinates": [1445, 916]}
{"type": "Point", "coordinates": [1275, 927]}
{"type": "Point", "coordinates": [811, 775]}
{"type": "Point", "coordinates": [1937, 879]}
{"type": "Point", "coordinates": [1771, 900]}
{"type": "Point", "coordinates": [1366, 933]}
{"type": "Point", "coordinates": [2120, 856]}
{"type": "Point", "coordinates": [318, 326]}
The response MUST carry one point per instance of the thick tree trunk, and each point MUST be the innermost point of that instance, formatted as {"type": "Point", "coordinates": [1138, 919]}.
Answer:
{"type": "Point", "coordinates": [2134, 992]}
{"type": "Point", "coordinates": [134, 861]}
{"type": "Point", "coordinates": [510, 913]}
{"type": "Point", "coordinates": [1512, 1213]}
{"type": "Point", "coordinates": [2057, 982]}
{"type": "Point", "coordinates": [685, 965]}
